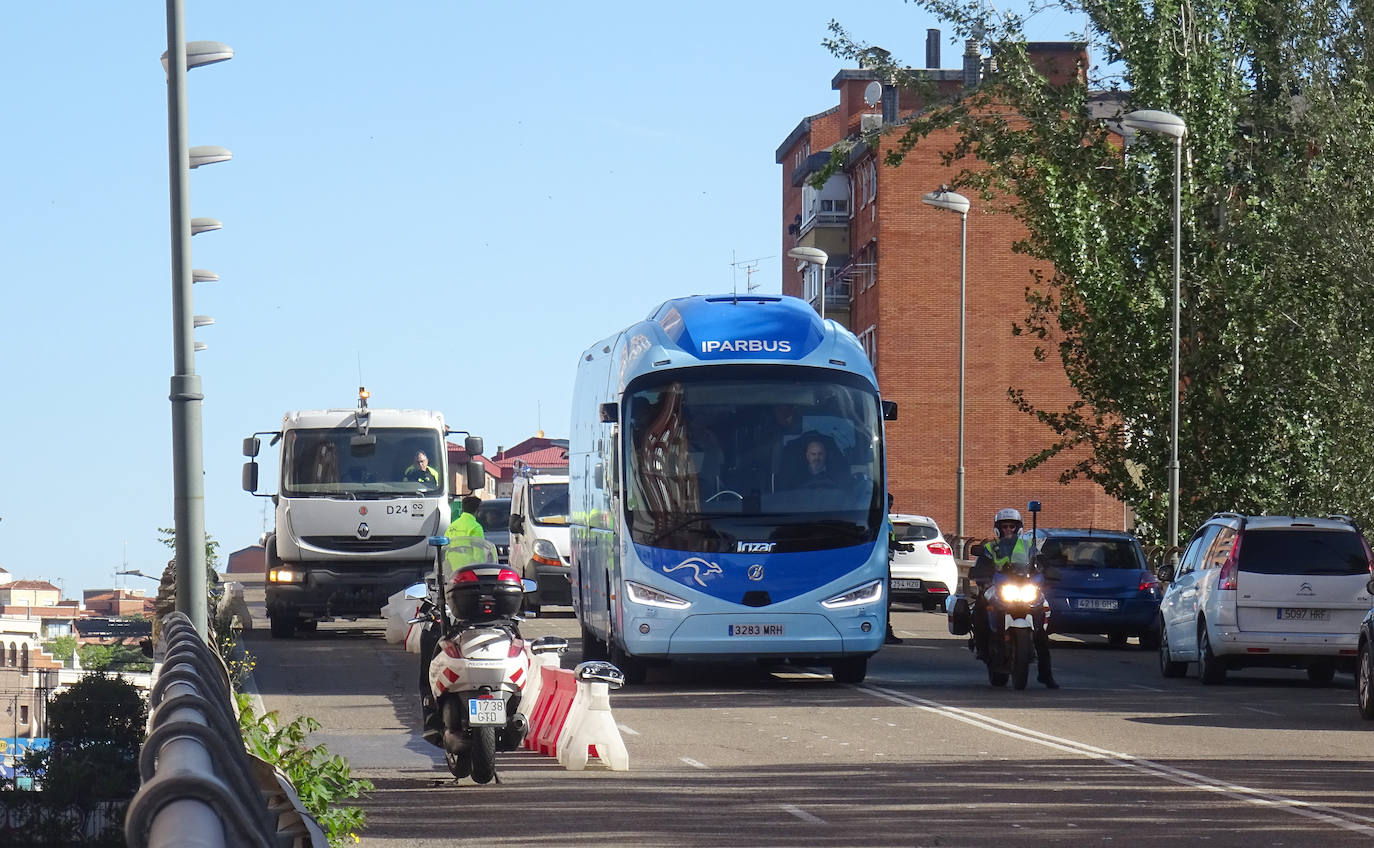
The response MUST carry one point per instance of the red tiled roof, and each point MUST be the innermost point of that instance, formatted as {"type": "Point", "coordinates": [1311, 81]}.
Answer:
{"type": "Point", "coordinates": [30, 584]}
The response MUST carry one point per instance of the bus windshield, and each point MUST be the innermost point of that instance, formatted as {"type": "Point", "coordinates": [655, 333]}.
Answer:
{"type": "Point", "coordinates": [388, 462]}
{"type": "Point", "coordinates": [790, 456]}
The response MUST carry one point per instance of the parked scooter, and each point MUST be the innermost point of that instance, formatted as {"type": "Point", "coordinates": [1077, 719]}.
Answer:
{"type": "Point", "coordinates": [477, 663]}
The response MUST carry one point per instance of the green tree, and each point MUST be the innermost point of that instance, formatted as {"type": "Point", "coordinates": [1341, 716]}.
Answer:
{"type": "Point", "coordinates": [1278, 245]}
{"type": "Point", "coordinates": [95, 728]}
{"type": "Point", "coordinates": [62, 648]}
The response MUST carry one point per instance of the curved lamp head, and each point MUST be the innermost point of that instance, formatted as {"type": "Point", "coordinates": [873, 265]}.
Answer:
{"type": "Point", "coordinates": [204, 225]}
{"type": "Point", "coordinates": [808, 254]}
{"type": "Point", "coordinates": [208, 154]}
{"type": "Point", "coordinates": [200, 275]}
{"type": "Point", "coordinates": [203, 53]}
{"type": "Point", "coordinates": [1154, 121]}
{"type": "Point", "coordinates": [946, 199]}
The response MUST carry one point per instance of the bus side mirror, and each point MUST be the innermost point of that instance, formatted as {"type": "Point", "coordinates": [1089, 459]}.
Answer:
{"type": "Point", "coordinates": [473, 445]}
{"type": "Point", "coordinates": [251, 446]}
{"type": "Point", "coordinates": [250, 474]}
{"type": "Point", "coordinates": [476, 474]}
{"type": "Point", "coordinates": [889, 410]}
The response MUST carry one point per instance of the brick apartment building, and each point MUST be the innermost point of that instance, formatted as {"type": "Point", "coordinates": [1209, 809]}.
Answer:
{"type": "Point", "coordinates": [893, 279]}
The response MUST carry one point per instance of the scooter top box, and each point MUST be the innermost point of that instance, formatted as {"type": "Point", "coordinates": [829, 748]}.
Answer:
{"type": "Point", "coordinates": [484, 593]}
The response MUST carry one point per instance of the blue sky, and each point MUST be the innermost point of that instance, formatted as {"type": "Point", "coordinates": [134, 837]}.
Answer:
{"type": "Point", "coordinates": [456, 198]}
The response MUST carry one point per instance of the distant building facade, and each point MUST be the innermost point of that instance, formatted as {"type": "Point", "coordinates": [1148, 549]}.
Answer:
{"type": "Point", "coordinates": [893, 277]}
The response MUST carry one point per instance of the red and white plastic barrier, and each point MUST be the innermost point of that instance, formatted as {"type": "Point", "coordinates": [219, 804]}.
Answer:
{"type": "Point", "coordinates": [571, 719]}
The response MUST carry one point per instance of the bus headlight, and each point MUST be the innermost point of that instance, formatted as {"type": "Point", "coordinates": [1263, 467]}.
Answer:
{"type": "Point", "coordinates": [865, 594]}
{"type": "Point", "coordinates": [641, 594]}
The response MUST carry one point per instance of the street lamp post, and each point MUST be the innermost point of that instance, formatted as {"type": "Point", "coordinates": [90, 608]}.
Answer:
{"type": "Point", "coordinates": [813, 256]}
{"type": "Point", "coordinates": [1171, 125]}
{"type": "Point", "coordinates": [187, 455]}
{"type": "Point", "coordinates": [955, 202]}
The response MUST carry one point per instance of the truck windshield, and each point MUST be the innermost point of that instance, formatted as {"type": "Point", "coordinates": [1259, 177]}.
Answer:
{"type": "Point", "coordinates": [392, 461]}
{"type": "Point", "coordinates": [550, 503]}
{"type": "Point", "coordinates": [729, 454]}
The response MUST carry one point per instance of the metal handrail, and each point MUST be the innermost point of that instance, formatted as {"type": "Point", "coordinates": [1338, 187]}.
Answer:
{"type": "Point", "coordinates": [197, 776]}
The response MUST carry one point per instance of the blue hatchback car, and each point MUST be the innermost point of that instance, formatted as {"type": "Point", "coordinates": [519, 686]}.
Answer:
{"type": "Point", "coordinates": [1097, 581]}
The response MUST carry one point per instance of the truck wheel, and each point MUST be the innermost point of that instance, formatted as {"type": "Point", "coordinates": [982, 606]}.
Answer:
{"type": "Point", "coordinates": [592, 647]}
{"type": "Point", "coordinates": [283, 625]}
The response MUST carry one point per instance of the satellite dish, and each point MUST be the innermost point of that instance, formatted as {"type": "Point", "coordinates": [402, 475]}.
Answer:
{"type": "Point", "coordinates": [873, 94]}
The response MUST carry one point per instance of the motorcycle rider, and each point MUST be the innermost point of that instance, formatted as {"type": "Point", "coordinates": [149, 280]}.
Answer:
{"type": "Point", "coordinates": [1009, 552]}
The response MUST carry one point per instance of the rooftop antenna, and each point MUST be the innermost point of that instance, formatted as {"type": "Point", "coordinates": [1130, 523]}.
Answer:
{"type": "Point", "coordinates": [750, 267]}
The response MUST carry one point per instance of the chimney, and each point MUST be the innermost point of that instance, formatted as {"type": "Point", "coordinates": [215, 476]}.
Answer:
{"type": "Point", "coordinates": [932, 48]}
{"type": "Point", "coordinates": [973, 64]}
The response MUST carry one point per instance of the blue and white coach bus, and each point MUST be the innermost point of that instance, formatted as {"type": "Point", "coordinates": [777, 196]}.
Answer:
{"type": "Point", "coordinates": [728, 489]}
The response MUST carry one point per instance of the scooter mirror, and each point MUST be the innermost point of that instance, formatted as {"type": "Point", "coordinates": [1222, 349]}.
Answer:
{"type": "Point", "coordinates": [438, 541]}
{"type": "Point", "coordinates": [415, 592]}
{"type": "Point", "coordinates": [549, 644]}
{"type": "Point", "coordinates": [529, 585]}
{"type": "Point", "coordinates": [598, 671]}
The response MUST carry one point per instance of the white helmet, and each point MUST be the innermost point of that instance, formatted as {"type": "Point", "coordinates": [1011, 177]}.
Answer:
{"type": "Point", "coordinates": [1008, 514]}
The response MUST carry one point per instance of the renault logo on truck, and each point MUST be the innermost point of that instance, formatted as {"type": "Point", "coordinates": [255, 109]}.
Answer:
{"type": "Point", "coordinates": [363, 532]}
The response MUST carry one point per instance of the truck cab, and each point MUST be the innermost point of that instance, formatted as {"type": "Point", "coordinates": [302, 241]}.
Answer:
{"type": "Point", "coordinates": [359, 493]}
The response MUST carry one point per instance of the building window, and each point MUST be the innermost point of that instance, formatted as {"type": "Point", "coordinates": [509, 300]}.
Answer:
{"type": "Point", "coordinates": [868, 339]}
{"type": "Point", "coordinates": [24, 661]}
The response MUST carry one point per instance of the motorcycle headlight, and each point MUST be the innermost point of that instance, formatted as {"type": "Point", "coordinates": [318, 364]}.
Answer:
{"type": "Point", "coordinates": [641, 594]}
{"type": "Point", "coordinates": [1019, 593]}
{"type": "Point", "coordinates": [867, 593]}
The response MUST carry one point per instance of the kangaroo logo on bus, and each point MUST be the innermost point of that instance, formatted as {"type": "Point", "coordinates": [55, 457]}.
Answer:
{"type": "Point", "coordinates": [699, 567]}
{"type": "Point", "coordinates": [754, 547]}
{"type": "Point", "coordinates": [746, 346]}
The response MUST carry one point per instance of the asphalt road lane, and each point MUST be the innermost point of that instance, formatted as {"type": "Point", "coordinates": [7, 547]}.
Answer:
{"type": "Point", "coordinates": [923, 753]}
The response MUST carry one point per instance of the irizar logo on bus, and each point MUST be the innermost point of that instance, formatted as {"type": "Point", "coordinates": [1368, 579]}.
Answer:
{"type": "Point", "coordinates": [754, 547]}
{"type": "Point", "coordinates": [746, 346]}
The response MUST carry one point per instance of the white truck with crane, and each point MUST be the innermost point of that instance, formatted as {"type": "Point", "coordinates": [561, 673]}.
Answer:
{"type": "Point", "coordinates": [360, 491]}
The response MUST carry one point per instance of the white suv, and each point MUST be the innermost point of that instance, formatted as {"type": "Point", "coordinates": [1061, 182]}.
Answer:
{"type": "Point", "coordinates": [1266, 591]}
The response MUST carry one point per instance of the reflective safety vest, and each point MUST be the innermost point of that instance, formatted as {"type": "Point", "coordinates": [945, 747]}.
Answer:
{"type": "Point", "coordinates": [1001, 556]}
{"type": "Point", "coordinates": [466, 524]}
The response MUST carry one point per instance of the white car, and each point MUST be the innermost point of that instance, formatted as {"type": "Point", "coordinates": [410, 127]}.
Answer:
{"type": "Point", "coordinates": [1266, 591]}
{"type": "Point", "coordinates": [926, 574]}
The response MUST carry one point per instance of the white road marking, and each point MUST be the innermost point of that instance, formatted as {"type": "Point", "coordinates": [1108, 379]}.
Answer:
{"type": "Point", "coordinates": [693, 763]}
{"type": "Point", "coordinates": [1258, 710]}
{"type": "Point", "coordinates": [627, 731]}
{"type": "Point", "coordinates": [1146, 688]}
{"type": "Point", "coordinates": [802, 814]}
{"type": "Point", "coordinates": [1326, 815]}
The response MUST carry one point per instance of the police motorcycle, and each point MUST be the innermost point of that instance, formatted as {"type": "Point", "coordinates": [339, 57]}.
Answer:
{"type": "Point", "coordinates": [473, 659]}
{"type": "Point", "coordinates": [1011, 600]}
